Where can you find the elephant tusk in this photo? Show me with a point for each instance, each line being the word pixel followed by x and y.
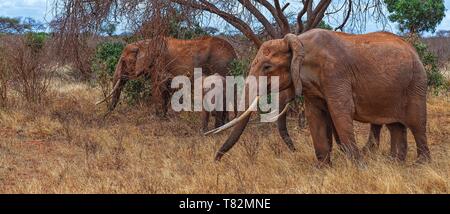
pixel 110 94
pixel 235 120
pixel 273 119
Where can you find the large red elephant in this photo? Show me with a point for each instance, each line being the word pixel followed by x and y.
pixel 375 78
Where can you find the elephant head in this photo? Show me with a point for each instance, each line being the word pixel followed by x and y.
pixel 135 61
pixel 282 58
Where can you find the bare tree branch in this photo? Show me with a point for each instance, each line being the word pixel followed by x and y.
pixel 347 16
pixel 318 14
pixel 281 20
pixel 261 18
pixel 233 20
pixel 300 26
pixel 285 24
pixel 285 7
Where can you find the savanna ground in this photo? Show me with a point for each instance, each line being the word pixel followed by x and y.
pixel 65 146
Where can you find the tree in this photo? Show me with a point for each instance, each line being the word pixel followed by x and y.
pixel 415 16
pixel 19 25
pixel 108 28
pixel 241 14
pixel 247 16
pixel 8 25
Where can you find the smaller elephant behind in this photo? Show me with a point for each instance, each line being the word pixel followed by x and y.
pixel 162 58
pixel 214 88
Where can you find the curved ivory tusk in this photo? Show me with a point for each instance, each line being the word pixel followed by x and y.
pixel 110 94
pixel 273 119
pixel 235 120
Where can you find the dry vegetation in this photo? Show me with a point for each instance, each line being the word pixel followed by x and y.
pixel 64 146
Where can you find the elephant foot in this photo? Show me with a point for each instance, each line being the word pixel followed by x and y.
pixel 290 145
pixel 423 159
pixel 292 149
pixel 219 156
pixel 105 115
pixel 358 161
pixel 397 160
pixel 204 130
pixel 361 165
pixel 367 149
pixel 323 165
pixel 162 115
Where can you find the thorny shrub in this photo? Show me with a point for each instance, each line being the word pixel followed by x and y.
pixel 25 66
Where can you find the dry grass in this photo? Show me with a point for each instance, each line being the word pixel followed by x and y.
pixel 66 147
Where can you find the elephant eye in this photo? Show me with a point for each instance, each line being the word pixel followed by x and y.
pixel 266 67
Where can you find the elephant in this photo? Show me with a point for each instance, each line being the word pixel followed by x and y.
pixel 173 57
pixel 220 116
pixel 374 78
pixel 179 57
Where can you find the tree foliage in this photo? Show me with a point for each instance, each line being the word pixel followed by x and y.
pixel 182 29
pixel 247 16
pixel 19 25
pixel 108 28
pixel 415 16
pixel 430 61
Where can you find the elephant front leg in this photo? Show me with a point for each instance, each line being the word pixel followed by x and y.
pixel 341 114
pixel 205 120
pixel 219 119
pixel 166 94
pixel 321 132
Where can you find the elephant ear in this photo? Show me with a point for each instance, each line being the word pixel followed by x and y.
pixel 142 61
pixel 298 55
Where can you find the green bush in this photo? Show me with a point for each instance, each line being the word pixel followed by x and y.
pixel 436 79
pixel 324 25
pixel 240 67
pixel 106 57
pixel 415 16
pixel 35 41
pixel 178 30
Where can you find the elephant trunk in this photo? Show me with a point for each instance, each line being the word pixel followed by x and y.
pixel 285 97
pixel 118 82
pixel 116 93
pixel 283 131
pixel 239 123
pixel 233 138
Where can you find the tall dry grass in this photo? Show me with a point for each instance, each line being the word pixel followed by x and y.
pixel 65 146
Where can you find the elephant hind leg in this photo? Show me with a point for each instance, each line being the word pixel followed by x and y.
pixel 420 136
pixel 416 121
pixel 399 143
